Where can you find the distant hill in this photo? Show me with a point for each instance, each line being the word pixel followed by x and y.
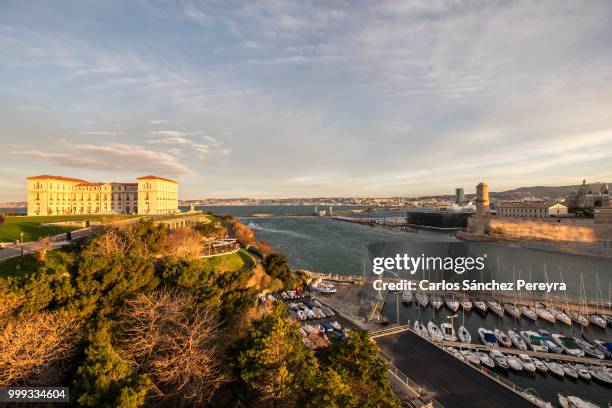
pixel 549 191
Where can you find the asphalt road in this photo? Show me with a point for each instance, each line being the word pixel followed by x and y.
pixel 448 380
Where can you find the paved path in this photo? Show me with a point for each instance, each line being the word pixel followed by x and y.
pixel 447 379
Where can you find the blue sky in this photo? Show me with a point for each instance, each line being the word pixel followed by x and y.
pixel 287 99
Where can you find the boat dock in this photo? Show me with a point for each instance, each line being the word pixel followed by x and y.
pixel 537 354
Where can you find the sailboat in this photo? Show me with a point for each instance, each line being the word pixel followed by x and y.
pixel 464 335
pixel 448 333
pixel 596 318
pixel 420 329
pixel 487 337
pixel 407 297
pixel 578 317
pixel 495 307
pixel 434 332
pixel 517 340
pixel 436 302
pixel 451 302
pixel 481 306
pixel 543 313
pixel 502 338
pixel 512 310
pixel 422 298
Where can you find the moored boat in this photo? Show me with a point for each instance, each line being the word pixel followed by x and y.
pixel 485 359
pixel 434 332
pixel 436 302
pixel 569 371
pixel 470 357
pixel 578 318
pixel 480 306
pixel 448 333
pixel 597 320
pixel 464 335
pixel 543 313
pixel 568 344
pixel 549 342
pixel 466 304
pixel 528 312
pixel 512 310
pixel 560 315
pixel 487 337
pixel 582 372
pixel 534 341
pixel 495 307
pixel 407 297
pixel 499 359
pixel 589 349
pixel 527 363
pixel 539 365
pixel 554 368
pixel 517 340
pixel 514 362
pixel 451 302
pixel 422 298
pixel 420 329
pixel 575 402
pixel 502 338
pixel 599 374
pixel 604 346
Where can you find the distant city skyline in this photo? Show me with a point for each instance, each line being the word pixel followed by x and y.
pixel 278 99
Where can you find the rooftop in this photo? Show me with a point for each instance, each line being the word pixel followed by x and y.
pixel 50 177
pixel 151 177
pixel 526 205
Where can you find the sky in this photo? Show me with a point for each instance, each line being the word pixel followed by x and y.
pixel 307 98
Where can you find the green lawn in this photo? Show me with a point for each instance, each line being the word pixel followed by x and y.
pixel 33 230
pixel 231 262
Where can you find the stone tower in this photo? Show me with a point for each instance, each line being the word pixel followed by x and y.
pixel 482 200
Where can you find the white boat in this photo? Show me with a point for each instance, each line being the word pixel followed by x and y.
pixel 512 310
pixel 575 402
pixel 578 318
pixel 528 312
pixel 604 346
pixel 543 313
pixel 301 314
pixel 466 304
pixel 487 337
pixel 310 329
pixel 303 332
pixel 517 340
pixel 407 297
pixel 527 363
pixel 420 329
pixel 434 332
pixel 436 302
pixel 502 338
pixel 320 328
pixel 498 358
pixel 464 335
pixel 554 368
pixel 534 341
pixel 455 353
pixel 560 315
pixel 549 342
pixel 568 344
pixel 470 357
pixel 514 362
pixel 569 371
pixel 582 372
pixel 422 298
pixel 324 288
pixel 448 333
pixel 336 326
pixel 481 306
pixel 539 365
pixel 452 303
pixel 599 374
pixel 597 320
pixel 485 359
pixel 589 349
pixel 495 307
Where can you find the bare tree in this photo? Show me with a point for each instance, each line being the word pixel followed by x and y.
pixel 112 241
pixel 34 346
pixel 184 243
pixel 174 340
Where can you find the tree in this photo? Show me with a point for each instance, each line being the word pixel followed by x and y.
pixel 276 266
pixel 273 364
pixel 184 243
pixel 176 342
pixel 105 379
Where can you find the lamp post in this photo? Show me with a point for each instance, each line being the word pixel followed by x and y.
pixel 452 319
pixel 21 242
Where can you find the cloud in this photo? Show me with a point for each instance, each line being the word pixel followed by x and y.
pixel 160 121
pixel 115 157
pixel 98 133
pixel 181 140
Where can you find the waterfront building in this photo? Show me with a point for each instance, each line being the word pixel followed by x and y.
pixel 587 197
pixel 531 210
pixel 58 195
pixel 459 195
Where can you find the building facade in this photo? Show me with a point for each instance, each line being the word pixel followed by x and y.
pixel 459 195
pixel 57 195
pixel 531 210
pixel 585 197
